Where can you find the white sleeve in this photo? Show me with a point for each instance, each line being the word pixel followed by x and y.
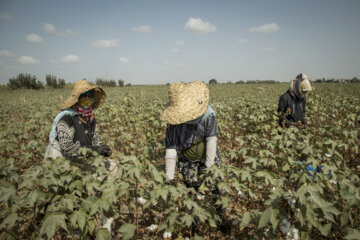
pixel 170 163
pixel 210 151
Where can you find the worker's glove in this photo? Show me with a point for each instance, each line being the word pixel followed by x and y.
pixel 107 150
pixel 103 150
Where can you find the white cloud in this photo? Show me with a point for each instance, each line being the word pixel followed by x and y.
pixel 143 28
pixel 6 53
pixel 124 60
pixel 196 25
pixel 28 60
pixel 105 43
pixel 70 58
pixel 49 28
pixel 175 50
pixel 266 28
pixel 270 49
pixel 241 41
pixel 180 43
pixel 4 16
pixel 34 38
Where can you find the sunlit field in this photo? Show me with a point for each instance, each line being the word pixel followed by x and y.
pixel 264 192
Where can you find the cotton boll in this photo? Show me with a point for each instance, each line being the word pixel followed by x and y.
pixel 242 194
pixel 154 203
pixel 328 155
pixel 167 235
pixel 107 223
pixel 285 226
pixel 152 228
pixel 140 200
pixel 333 182
pixel 295 234
pixel 200 197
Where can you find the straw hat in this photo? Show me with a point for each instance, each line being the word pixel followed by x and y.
pixel 301 85
pixel 186 102
pixel 80 87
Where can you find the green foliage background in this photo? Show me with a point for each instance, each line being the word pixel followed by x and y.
pixel 53 199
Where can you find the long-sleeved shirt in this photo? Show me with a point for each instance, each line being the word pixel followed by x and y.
pixel 297 108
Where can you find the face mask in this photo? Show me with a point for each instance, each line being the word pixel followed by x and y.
pixel 86 103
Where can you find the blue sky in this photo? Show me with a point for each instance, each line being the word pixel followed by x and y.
pixel 161 41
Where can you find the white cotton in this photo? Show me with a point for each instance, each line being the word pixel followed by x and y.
pixel 210 151
pixel 242 194
pixel 285 226
pixel 152 228
pixel 167 235
pixel 140 200
pixel 170 163
pixel 200 197
pixel 107 223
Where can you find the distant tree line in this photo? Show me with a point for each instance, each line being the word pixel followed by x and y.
pixel 337 80
pixel 28 81
pixel 110 83
pixel 25 81
pixel 213 81
pixel 52 82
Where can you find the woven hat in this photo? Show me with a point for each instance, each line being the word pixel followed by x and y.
pixel 80 87
pixel 300 85
pixel 186 102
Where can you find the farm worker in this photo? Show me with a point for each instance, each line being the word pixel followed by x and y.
pixel 191 134
pixel 75 127
pixel 292 104
pixel 75 124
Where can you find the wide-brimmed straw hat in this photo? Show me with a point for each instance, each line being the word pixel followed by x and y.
pixel 80 87
pixel 301 84
pixel 186 102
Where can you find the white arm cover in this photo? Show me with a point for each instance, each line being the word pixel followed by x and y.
pixel 170 163
pixel 210 151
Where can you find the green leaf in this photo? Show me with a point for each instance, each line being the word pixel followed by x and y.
pixel 10 220
pixel 344 219
pixel 265 217
pixel 7 236
pixel 245 220
pixel 274 218
pixel 198 237
pixel 127 230
pixel 103 234
pixel 52 222
pixel 311 216
pixel 78 217
pixel 187 220
pixel 352 234
pixel 325 229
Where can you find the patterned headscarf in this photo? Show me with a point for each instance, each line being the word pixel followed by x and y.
pixel 85 108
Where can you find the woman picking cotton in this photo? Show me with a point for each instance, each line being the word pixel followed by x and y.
pixel 75 124
pixel 75 127
pixel 191 134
